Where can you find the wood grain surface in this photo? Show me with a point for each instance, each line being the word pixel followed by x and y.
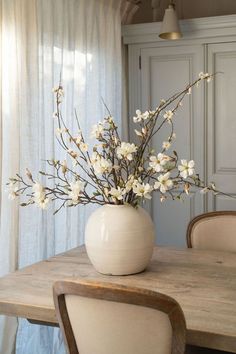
pixel 203 282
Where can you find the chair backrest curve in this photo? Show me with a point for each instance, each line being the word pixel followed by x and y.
pixel 104 318
pixel 213 231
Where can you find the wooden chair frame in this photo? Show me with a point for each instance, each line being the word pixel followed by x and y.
pixel 122 294
pixel 204 216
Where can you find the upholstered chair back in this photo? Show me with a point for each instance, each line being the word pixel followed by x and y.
pixel 213 231
pixel 108 319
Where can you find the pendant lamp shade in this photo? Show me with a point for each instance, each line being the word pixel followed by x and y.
pixel 170 26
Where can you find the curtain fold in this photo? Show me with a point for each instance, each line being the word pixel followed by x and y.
pixel 127 11
pixel 9 128
pixel 41 41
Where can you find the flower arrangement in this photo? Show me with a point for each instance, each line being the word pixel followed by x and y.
pixel 113 171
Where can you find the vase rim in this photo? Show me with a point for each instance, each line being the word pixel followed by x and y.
pixel 118 205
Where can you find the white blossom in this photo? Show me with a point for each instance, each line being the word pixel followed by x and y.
pixel 171 137
pixel 162 102
pixel 12 189
pixel 60 131
pixel 208 188
pixel 158 162
pixel 141 116
pixel 187 188
pixel 137 132
pixel 38 190
pixel 59 93
pixel 146 115
pixel 164 183
pixel 76 188
pixel 64 167
pixel 95 156
pixel 212 185
pixel 204 190
pixel 72 153
pixel 166 145
pixel 114 138
pixel 78 139
pixel 206 76
pixel 186 168
pixel 43 203
pixel 126 150
pixel 143 190
pixel 101 165
pixel 209 79
pixel 106 192
pixel 129 184
pixel 110 119
pixel 162 198
pixel 168 115
pixel 54 89
pixel 138 116
pixel 40 198
pixel 144 131
pixel 117 193
pixel 203 75
pixel 83 147
pixel 97 130
pixel 59 90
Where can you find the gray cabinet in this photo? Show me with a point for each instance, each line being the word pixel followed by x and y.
pixel 205 125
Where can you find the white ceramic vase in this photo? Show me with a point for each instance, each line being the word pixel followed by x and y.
pixel 119 239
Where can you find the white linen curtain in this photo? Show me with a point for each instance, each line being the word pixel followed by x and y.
pixel 127 10
pixel 41 39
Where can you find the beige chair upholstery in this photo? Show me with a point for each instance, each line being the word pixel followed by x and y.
pixel 213 231
pixel 107 319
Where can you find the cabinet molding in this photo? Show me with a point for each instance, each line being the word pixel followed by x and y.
pixel 208 28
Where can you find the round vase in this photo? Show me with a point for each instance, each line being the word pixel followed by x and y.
pixel 119 239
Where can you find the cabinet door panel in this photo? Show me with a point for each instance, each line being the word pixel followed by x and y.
pixel 222 123
pixel 166 71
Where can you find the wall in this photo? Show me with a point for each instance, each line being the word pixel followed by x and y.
pixel 187 9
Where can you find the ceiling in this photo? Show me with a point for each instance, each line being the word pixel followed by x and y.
pixel 186 9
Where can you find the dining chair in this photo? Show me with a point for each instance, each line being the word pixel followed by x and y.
pixel 104 318
pixel 213 231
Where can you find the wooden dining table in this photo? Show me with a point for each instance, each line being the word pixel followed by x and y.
pixel 203 282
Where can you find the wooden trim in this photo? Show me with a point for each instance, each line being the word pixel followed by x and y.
pixel 123 294
pixel 42 323
pixel 203 216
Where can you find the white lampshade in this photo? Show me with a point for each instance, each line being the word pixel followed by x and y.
pixel 170 26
